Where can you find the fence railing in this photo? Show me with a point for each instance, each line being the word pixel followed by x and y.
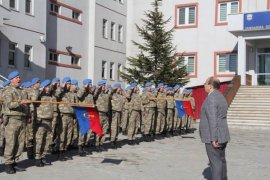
pixel 232 89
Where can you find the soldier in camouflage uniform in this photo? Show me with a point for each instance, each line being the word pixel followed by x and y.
pixel 177 120
pixel 2 118
pixel 161 109
pixel 117 103
pixel 149 103
pixel 170 111
pixel 15 124
pixel 43 124
pixel 135 115
pixel 67 118
pixel 30 128
pixel 125 116
pixel 102 104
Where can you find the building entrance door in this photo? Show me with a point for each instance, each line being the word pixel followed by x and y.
pixel 263 66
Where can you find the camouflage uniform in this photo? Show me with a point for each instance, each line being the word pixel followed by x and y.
pixel 126 114
pixel 134 115
pixel 170 113
pixel 102 104
pixel 67 115
pixel 161 110
pixel 2 127
pixel 45 113
pixel 117 103
pixel 15 126
pixel 149 106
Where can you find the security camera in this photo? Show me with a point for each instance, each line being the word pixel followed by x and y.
pixel 42 39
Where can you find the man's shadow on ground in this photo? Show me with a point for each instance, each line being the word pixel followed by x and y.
pixel 207 173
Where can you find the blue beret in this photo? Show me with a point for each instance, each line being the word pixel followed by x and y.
pixel 108 86
pixel 128 88
pixel 22 84
pixel 74 82
pixel 176 87
pixel 56 79
pixel 87 81
pixel 66 79
pixel 6 83
pixel 13 74
pixel 45 83
pixel 134 85
pixel 101 82
pixel 35 80
pixel 169 88
pixel 27 84
pixel 160 85
pixel 117 85
pixel 148 84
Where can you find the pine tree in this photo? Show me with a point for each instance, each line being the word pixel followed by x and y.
pixel 156 61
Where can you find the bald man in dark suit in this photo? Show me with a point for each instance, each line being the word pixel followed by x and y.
pixel 213 128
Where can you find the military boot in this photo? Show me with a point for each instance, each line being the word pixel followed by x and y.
pixel 30 152
pixel 114 145
pixel 18 168
pixel 62 156
pixel 39 163
pixel 80 151
pixel 45 162
pixel 9 169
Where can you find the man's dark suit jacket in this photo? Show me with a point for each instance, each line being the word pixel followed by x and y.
pixel 213 122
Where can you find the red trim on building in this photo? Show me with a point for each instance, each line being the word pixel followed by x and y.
pixel 268 4
pixel 66 6
pixel 215 63
pixel 65 18
pixel 216 11
pixel 195 54
pixel 64 65
pixel 176 26
pixel 65 53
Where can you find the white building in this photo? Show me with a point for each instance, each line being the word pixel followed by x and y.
pixel 211 36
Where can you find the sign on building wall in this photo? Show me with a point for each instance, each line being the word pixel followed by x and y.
pixel 257 21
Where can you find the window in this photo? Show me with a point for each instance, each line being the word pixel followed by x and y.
pixel 54 57
pixel 12 53
pixel 55 8
pixel 113 31
pixel 226 63
pixel 27 56
pixel 76 15
pixel 112 71
pixel 28 6
pixel 120 33
pixel 75 61
pixel 13 4
pixel 189 62
pixel 119 70
pixel 225 8
pixel 105 28
pixel 186 16
pixel 104 70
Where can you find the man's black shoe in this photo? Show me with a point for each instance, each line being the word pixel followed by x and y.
pixel 114 145
pixel 61 156
pixel 39 163
pixel 81 152
pixel 46 163
pixel 131 142
pixel 9 169
pixel 18 168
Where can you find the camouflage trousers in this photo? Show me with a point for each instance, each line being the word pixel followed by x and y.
pixel 77 138
pixel 160 123
pixel 30 128
pixel 133 125
pixel 125 120
pixel 42 137
pixel 54 133
pixel 2 135
pixel 104 120
pixel 169 119
pixel 15 138
pixel 176 122
pixel 148 120
pixel 115 125
pixel 66 131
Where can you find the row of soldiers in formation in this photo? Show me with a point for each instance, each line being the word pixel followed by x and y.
pixel 41 126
